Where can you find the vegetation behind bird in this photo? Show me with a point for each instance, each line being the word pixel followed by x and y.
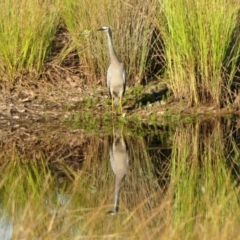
pixel 198 36
pixel 132 35
pixel 200 43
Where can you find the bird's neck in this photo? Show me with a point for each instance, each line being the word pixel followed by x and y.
pixel 112 52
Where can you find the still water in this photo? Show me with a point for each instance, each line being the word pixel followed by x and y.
pixel 121 182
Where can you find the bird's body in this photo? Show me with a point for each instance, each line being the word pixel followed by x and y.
pixel 115 81
pixel 116 73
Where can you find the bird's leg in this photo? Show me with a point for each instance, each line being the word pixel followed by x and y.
pixel 112 103
pixel 113 133
pixel 121 134
pixel 120 104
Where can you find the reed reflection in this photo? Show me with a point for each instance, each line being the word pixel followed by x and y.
pixel 119 159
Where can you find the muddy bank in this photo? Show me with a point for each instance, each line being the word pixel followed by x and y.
pixel 47 101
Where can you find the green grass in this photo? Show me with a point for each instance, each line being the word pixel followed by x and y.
pixel 195 44
pixel 26 31
pixel 198 37
pixel 132 33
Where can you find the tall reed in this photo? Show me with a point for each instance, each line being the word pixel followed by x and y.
pixel 132 34
pixel 198 38
pixel 26 31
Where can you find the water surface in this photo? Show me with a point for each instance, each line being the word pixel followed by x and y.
pixel 59 181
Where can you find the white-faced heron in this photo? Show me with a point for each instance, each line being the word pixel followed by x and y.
pixel 116 73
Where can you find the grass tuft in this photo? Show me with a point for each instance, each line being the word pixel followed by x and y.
pixel 26 31
pixel 197 38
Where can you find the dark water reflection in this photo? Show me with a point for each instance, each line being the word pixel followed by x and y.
pixel 187 164
pixel 119 159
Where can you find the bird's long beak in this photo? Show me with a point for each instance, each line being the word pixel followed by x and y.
pixel 100 29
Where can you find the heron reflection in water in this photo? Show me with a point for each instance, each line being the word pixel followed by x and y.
pixel 119 159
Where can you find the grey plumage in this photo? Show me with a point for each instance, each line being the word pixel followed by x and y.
pixel 119 159
pixel 116 73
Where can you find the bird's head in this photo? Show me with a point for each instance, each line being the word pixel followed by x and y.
pixel 106 29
